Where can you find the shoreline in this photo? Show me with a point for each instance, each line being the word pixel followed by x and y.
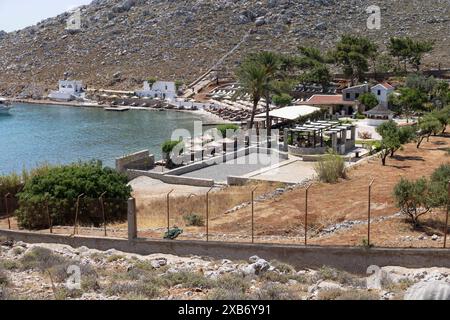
pixel 211 118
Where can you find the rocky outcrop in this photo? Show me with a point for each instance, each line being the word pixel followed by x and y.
pixel 435 290
pixel 112 275
pixel 182 39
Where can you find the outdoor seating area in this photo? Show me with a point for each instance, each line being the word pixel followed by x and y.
pixel 315 138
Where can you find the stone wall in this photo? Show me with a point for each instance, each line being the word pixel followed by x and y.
pixel 170 179
pixel 296 151
pixel 356 259
pixel 141 160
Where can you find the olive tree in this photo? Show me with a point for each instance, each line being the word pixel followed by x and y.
pixel 413 198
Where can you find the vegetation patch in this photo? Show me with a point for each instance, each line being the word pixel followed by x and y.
pixel 330 168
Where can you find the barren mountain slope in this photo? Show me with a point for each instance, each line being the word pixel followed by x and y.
pixel 125 41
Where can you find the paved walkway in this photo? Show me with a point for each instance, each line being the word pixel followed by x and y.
pixel 239 167
pixel 295 171
pixel 144 187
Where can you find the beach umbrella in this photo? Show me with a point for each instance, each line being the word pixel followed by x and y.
pixel 214 144
pixel 207 137
pixel 226 141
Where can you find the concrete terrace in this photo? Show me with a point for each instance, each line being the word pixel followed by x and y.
pixel 238 167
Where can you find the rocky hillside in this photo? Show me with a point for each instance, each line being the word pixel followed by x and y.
pixel 39 271
pixel 123 41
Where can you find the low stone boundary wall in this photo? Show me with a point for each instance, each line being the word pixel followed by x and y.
pixel 170 179
pixel 351 259
pixel 141 160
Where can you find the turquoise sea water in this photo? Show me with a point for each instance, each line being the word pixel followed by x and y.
pixel 34 134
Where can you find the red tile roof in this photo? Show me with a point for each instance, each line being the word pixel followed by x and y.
pixel 387 86
pixel 328 100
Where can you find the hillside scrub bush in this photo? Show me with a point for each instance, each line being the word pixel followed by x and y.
pixel 194 220
pixel 140 288
pixel 414 198
pixel 41 259
pixel 330 168
pixel 14 182
pixel 275 292
pixel 57 190
pixel 10 184
pixel 3 278
pixel 186 279
pixel 439 181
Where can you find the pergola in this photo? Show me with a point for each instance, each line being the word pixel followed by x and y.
pixel 311 134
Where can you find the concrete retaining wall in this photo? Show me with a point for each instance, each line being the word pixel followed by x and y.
pixel 171 179
pixel 345 258
pixel 296 151
pixel 141 160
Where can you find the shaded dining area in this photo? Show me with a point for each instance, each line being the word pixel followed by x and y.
pixel 315 138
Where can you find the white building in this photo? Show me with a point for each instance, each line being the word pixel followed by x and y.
pixel 382 92
pixel 68 90
pixel 164 90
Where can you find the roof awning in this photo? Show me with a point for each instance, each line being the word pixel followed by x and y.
pixel 291 113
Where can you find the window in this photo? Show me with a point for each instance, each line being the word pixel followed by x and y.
pixel 379 92
pixel 356 95
pixel 347 95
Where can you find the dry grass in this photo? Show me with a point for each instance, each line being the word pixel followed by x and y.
pixel 334 203
pixel 152 212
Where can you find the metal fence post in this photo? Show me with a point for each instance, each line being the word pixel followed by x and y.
pixel 253 215
pixel 7 210
pixel 207 214
pixel 132 219
pixel 75 229
pixel 446 218
pixel 306 214
pixel 369 213
pixel 102 206
pixel 168 211
pixel 50 223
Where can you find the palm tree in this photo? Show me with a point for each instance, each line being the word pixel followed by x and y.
pixel 252 77
pixel 270 63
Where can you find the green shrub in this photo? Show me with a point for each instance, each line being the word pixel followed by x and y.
pixel 41 259
pixel 330 168
pixel 230 287
pixel 194 220
pixel 354 294
pixel 10 184
pixel 168 148
pixel 3 279
pixel 89 283
pixel 414 198
pixel 224 128
pixel 220 294
pixel 439 185
pixel 232 282
pixel 342 277
pixel 275 292
pixel 60 186
pixel 142 288
pixel 282 100
pixel 9 265
pixel 186 279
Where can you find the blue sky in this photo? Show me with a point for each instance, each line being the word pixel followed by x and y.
pixel 18 14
